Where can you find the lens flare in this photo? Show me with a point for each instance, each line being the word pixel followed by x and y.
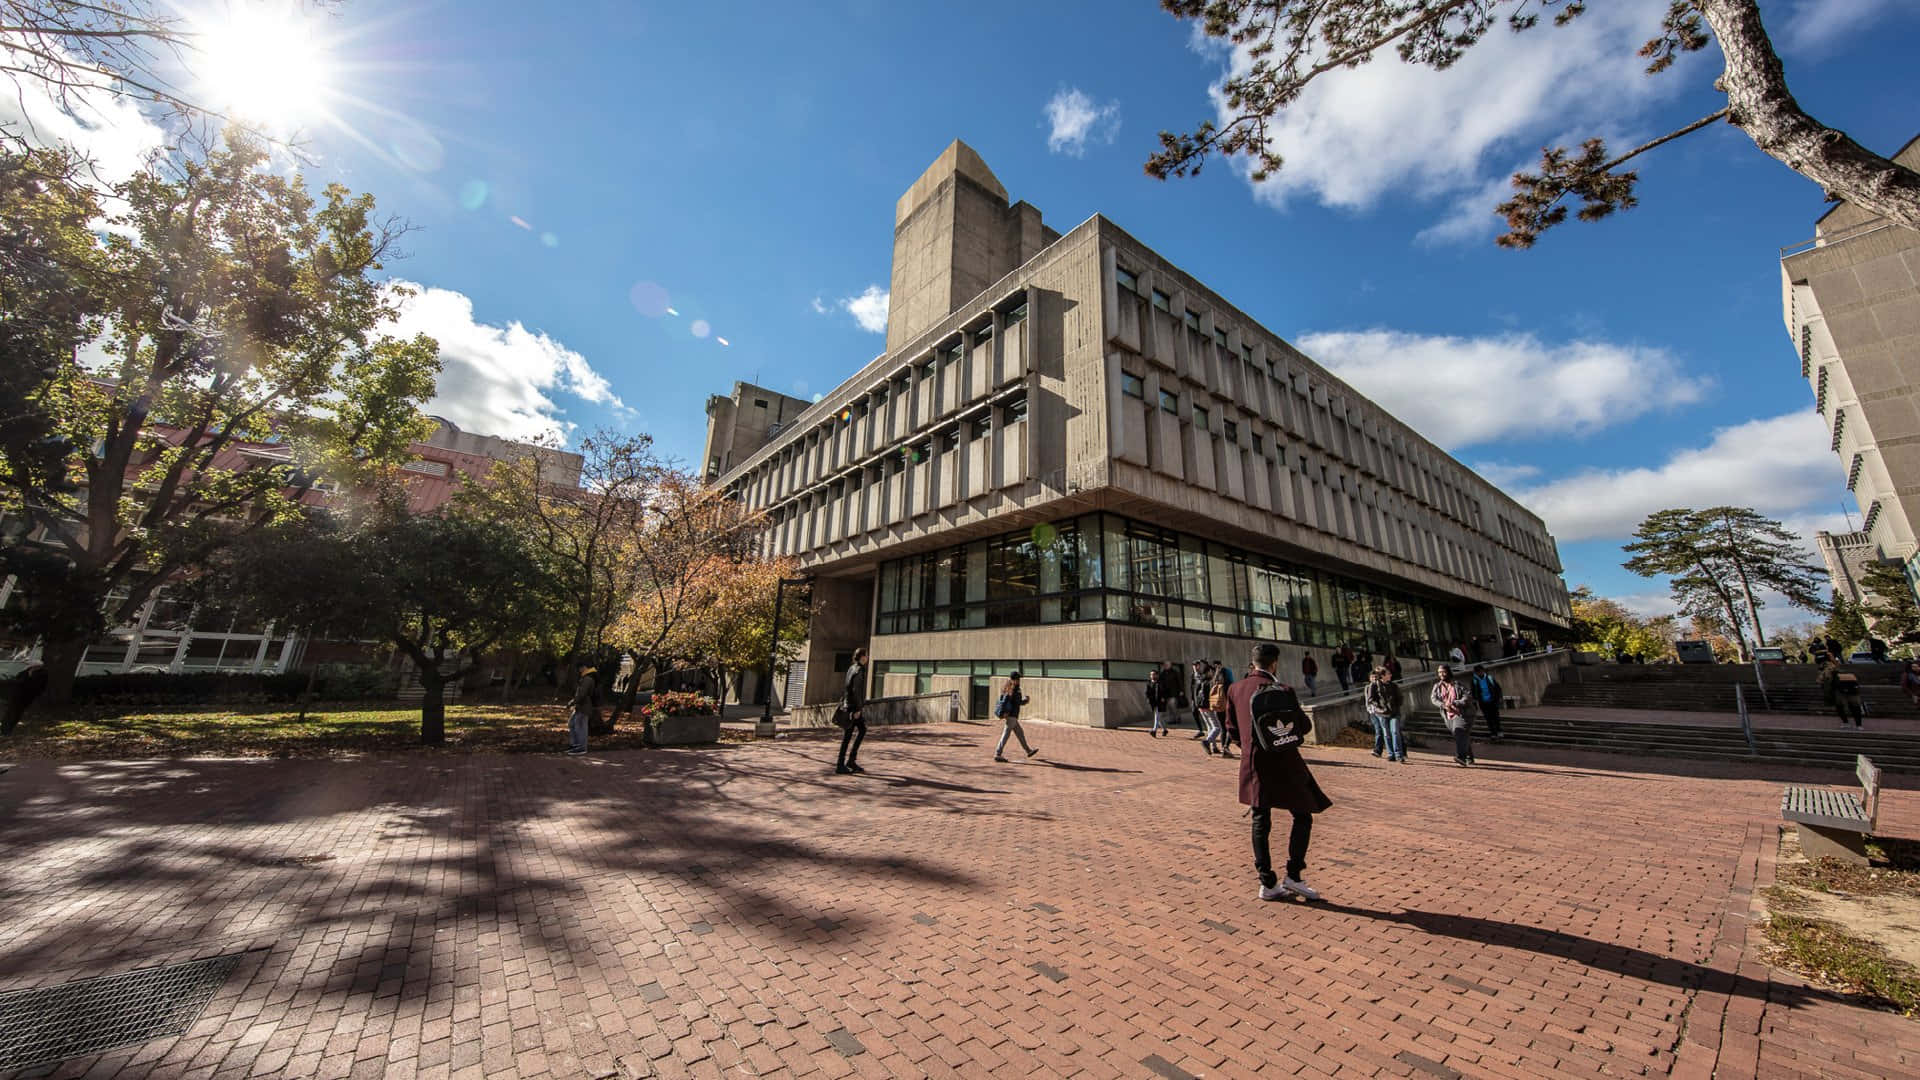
pixel 520 221
pixel 473 194
pixel 549 239
pixel 417 148
pixel 700 328
pixel 649 299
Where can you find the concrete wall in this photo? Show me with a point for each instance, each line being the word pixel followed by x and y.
pixel 911 709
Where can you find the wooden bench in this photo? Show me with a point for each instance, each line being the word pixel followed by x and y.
pixel 1836 823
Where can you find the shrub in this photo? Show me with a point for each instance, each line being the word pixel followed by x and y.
pixel 337 682
pixel 679 703
pixel 352 682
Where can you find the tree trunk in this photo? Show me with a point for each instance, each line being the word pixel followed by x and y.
pixel 62 656
pixel 306 694
pixel 1756 86
pixel 506 684
pixel 433 707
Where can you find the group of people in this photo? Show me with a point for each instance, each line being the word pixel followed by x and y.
pixel 1200 688
pixel 1351 667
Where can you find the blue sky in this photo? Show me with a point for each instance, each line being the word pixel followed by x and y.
pixel 574 168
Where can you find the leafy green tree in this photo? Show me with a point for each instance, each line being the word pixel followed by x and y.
pixel 439 587
pixel 1609 627
pixel 1846 624
pixel 1717 560
pixel 1889 601
pixel 235 310
pixel 589 533
pixel 1290 43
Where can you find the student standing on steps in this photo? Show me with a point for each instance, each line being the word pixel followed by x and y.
pixel 1008 710
pixel 1273 775
pixel 852 716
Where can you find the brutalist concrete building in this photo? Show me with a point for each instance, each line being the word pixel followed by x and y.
pixel 1077 460
pixel 1851 298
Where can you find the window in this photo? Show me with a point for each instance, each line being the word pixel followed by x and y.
pixel 759 403
pixel 983 333
pixel 1193 320
pixel 954 355
pixel 1017 315
pixel 1246 353
pixel 1016 410
pixel 1170 402
pixel 949 440
pixel 1200 418
pixel 1131 386
pixel 1162 302
pixel 1231 430
pixel 1219 337
pixel 1257 448
pixel 1126 279
pixel 926 372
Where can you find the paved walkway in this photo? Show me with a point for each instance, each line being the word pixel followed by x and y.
pixel 739 911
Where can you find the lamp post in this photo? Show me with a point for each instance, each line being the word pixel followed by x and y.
pixel 764 729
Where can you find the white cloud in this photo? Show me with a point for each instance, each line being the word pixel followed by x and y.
pixel 1777 465
pixel 1504 474
pixel 820 307
pixel 1390 128
pixel 869 309
pixel 105 127
pixel 1815 26
pixel 497 380
pixel 1073 119
pixel 1461 391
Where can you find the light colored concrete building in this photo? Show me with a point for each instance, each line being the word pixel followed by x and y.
pixel 1851 299
pixel 1076 459
pixel 1847 556
pixel 741 422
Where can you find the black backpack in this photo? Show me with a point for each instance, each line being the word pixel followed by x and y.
pixel 1278 721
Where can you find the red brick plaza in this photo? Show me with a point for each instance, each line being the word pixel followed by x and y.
pixel 740 911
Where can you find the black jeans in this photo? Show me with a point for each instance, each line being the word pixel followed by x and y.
pixel 1463 743
pixel 1296 844
pixel 854 734
pixel 1490 712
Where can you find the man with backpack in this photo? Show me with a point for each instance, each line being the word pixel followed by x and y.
pixel 1267 715
pixel 1008 710
pixel 1486 693
pixel 851 716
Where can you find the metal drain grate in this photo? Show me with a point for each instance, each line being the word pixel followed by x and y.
pixel 53 1023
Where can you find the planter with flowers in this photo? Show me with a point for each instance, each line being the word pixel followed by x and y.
pixel 681 718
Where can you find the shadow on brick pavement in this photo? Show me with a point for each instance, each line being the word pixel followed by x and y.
pixel 1086 913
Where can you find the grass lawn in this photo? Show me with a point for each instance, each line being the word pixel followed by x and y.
pixel 276 731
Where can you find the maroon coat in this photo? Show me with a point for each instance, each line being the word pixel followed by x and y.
pixel 1279 779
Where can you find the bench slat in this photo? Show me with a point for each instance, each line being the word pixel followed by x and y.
pixel 1826 808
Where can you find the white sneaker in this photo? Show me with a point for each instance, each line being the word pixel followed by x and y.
pixel 1298 888
pixel 1273 892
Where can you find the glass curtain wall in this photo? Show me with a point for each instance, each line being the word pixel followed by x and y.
pixel 1102 566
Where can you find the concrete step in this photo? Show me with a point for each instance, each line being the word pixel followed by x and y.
pixel 1837 749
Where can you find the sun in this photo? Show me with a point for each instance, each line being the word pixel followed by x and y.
pixel 262 62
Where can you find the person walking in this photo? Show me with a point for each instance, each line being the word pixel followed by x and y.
pixel 1486 694
pixel 1216 740
pixel 1197 685
pixel 852 716
pixel 586 710
pixel 1456 654
pixel 1846 696
pixel 1910 682
pixel 1273 776
pixel 1393 667
pixel 1308 670
pixel 1008 710
pixel 1451 699
pixel 1343 667
pixel 1383 708
pixel 1167 699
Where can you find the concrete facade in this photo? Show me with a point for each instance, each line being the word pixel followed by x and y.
pixel 1847 556
pixel 741 422
pixel 1851 300
pixel 1091 462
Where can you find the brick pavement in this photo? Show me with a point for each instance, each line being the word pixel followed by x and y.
pixel 740 911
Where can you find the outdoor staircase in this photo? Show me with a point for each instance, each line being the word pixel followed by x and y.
pixel 1836 748
pixel 1791 689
